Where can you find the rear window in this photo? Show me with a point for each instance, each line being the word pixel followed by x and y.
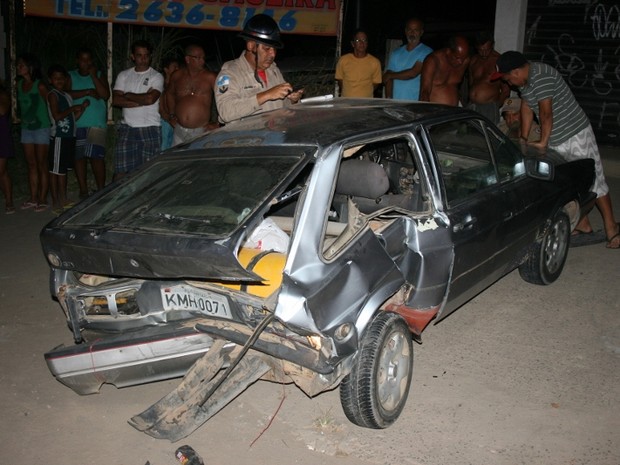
pixel 198 196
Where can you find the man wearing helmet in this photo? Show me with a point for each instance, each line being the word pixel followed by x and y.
pixel 253 83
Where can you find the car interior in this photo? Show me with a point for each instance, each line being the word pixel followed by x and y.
pixel 377 182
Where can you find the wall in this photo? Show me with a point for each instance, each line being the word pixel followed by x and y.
pixel 581 39
pixel 510 24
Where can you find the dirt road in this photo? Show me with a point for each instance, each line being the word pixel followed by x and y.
pixel 520 375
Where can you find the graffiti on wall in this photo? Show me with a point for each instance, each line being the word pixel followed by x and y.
pixel 581 39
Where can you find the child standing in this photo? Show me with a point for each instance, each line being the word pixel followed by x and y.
pixel 63 114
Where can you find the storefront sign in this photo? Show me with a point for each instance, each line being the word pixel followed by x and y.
pixel 315 17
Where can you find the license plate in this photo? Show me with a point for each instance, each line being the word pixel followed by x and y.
pixel 184 297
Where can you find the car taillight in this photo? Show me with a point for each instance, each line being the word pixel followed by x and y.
pixel 122 303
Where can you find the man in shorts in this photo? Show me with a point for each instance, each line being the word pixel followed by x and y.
pixel 137 91
pixel 189 96
pixel 564 127
pixel 87 83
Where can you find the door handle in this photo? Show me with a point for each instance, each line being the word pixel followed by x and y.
pixel 467 223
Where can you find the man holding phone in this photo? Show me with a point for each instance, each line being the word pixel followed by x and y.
pixel 253 83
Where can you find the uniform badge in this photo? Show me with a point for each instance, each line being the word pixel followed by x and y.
pixel 222 83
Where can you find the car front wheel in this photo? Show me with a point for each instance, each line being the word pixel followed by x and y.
pixel 544 264
pixel 374 393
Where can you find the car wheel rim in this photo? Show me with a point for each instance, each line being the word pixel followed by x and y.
pixel 555 246
pixel 393 371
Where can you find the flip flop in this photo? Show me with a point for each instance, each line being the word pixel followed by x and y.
pixel 28 204
pixel 9 210
pixel 610 239
pixel 41 207
pixel 579 238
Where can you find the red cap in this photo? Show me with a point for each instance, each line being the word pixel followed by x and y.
pixel 507 62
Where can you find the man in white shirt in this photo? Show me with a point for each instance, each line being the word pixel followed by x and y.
pixel 137 91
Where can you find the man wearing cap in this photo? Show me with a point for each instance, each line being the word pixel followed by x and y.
pixel 510 124
pixel 563 123
pixel 253 83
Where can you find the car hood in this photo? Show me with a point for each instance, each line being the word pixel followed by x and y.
pixel 181 217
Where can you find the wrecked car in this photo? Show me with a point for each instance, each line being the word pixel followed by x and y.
pixel 309 245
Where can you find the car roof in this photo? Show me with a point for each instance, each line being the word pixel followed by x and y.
pixel 322 123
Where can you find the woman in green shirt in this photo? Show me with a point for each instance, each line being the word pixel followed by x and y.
pixel 35 128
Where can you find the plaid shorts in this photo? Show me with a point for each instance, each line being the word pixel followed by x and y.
pixel 135 146
pixel 90 143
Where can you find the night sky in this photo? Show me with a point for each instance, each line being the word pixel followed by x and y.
pixel 384 20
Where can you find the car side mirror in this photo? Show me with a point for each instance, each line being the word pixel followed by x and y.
pixel 539 169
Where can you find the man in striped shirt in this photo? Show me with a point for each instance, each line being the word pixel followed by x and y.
pixel 563 123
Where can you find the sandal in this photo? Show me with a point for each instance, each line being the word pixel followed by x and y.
pixel 9 210
pixel 612 238
pixel 579 238
pixel 41 207
pixel 28 204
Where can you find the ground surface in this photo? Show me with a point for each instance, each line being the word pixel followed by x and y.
pixel 521 374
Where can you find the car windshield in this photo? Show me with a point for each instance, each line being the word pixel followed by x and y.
pixel 197 196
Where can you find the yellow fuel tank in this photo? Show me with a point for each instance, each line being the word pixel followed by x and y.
pixel 267 264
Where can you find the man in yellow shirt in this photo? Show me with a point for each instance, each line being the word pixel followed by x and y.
pixel 358 73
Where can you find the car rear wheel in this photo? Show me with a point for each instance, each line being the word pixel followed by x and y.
pixel 546 261
pixel 374 393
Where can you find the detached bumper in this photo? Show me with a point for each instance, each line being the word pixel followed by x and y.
pixel 151 354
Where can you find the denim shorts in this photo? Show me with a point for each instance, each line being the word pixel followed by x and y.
pixel 36 136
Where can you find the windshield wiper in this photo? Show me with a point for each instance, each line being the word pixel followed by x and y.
pixel 170 217
pixel 287 195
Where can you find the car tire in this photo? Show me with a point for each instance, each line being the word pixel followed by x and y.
pixel 545 262
pixel 374 393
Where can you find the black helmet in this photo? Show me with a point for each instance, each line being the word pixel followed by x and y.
pixel 262 29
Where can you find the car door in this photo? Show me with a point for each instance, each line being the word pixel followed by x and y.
pixel 520 191
pixel 479 209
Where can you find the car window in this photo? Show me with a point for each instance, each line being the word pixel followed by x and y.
pixel 375 179
pixel 508 157
pixel 464 158
pixel 199 196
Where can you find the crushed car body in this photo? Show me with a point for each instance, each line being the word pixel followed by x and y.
pixel 308 245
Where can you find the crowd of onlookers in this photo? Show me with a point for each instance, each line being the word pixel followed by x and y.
pixel 537 106
pixel 64 117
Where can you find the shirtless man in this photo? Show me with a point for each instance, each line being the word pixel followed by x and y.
pixel 485 96
pixel 443 72
pixel 189 96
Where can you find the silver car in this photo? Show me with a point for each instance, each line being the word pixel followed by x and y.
pixel 309 245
